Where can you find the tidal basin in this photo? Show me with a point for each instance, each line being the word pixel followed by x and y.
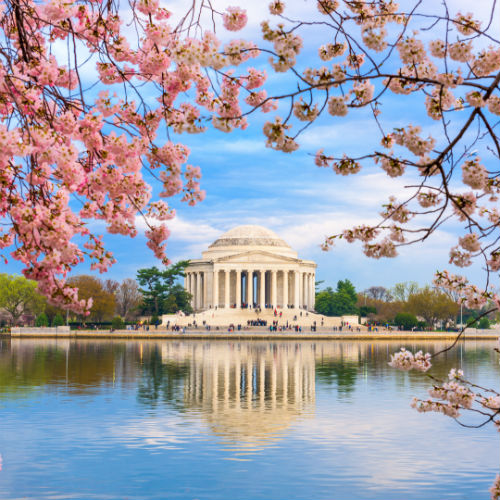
pixel 115 419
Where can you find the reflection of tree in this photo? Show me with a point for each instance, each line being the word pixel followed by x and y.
pixel 83 366
pixel 162 371
pixel 341 373
pixel 19 374
pixel 162 380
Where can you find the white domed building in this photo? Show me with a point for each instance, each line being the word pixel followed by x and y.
pixel 251 267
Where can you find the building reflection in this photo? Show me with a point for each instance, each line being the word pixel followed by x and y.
pixel 247 393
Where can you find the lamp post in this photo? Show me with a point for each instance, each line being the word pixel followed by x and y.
pixel 461 316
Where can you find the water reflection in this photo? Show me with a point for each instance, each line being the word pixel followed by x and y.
pixel 327 417
pixel 248 394
pixel 213 375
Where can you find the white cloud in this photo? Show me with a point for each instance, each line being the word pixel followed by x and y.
pixel 183 230
pixel 241 146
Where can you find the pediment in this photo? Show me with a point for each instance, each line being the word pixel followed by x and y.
pixel 256 257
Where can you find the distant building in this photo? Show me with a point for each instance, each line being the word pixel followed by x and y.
pixel 251 266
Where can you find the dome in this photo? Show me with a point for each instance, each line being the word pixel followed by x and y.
pixel 249 236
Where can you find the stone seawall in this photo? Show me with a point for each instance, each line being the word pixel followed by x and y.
pixel 256 333
pixel 42 331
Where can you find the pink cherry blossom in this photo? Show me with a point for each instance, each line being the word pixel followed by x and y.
pixel 234 18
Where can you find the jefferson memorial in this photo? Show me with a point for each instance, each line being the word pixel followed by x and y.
pixel 250 267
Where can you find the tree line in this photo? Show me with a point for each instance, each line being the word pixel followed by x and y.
pixel 154 292
pixel 405 305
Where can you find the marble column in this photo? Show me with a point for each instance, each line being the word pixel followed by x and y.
pixel 312 292
pixel 285 289
pixel 198 300
pixel 296 295
pixel 226 288
pixel 307 290
pixel 187 286
pixel 192 289
pixel 262 289
pixel 274 289
pixel 215 292
pixel 310 304
pixel 204 287
pixel 250 288
pixel 238 289
pixel 303 288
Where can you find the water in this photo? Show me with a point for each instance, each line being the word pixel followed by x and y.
pixel 237 420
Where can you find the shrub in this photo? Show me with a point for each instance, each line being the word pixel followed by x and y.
pixel 117 323
pixel 484 324
pixel 58 320
pixel 42 320
pixel 406 320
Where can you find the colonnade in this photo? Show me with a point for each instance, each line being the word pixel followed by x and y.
pixel 243 288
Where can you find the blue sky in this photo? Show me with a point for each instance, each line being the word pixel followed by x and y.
pixel 247 183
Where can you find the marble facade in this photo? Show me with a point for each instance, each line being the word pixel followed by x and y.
pixel 250 267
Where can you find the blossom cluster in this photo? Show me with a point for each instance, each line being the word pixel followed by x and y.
pixel 470 295
pixel 59 141
pixel 277 137
pixel 449 398
pixel 442 75
pixel 405 360
pixel 474 174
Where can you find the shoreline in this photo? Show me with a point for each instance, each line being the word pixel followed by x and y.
pixel 201 334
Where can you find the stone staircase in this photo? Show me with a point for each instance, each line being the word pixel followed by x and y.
pixel 224 317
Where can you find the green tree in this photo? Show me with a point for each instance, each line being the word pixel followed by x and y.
pixel 58 320
pixel 366 310
pixel 178 300
pixel 406 320
pixel 153 289
pixel 484 324
pixel 117 323
pixel 342 301
pixel 432 305
pixel 403 291
pixel 103 302
pixel 324 302
pixel 347 287
pixel 19 296
pixel 160 290
pixel 42 320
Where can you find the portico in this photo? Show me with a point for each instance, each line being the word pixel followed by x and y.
pixel 251 267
